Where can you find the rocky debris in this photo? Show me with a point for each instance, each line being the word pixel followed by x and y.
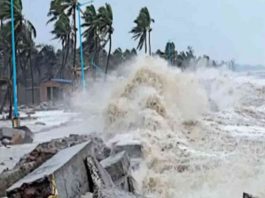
pixel 100 149
pixel 111 193
pixel 71 166
pixel 38 156
pixel 40 123
pixel 128 143
pixel 115 193
pixel 246 195
pixel 20 135
pixel 63 175
pixel 46 106
pixel 99 178
pixel 29 112
pixel 103 186
pixel 118 167
pixel 133 150
pixel 132 146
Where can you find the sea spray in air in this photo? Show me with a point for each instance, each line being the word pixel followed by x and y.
pixel 202 130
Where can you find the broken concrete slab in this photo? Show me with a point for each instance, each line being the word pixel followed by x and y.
pixel 117 165
pixel 103 186
pixel 102 151
pixel 133 150
pixel 37 157
pixel 129 143
pixel 65 174
pixel 98 175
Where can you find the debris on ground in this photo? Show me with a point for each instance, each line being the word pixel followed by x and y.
pixel 118 167
pixel 71 167
pixel 127 142
pixel 40 123
pixel 36 157
pixel 246 195
pixel 13 136
pixel 64 174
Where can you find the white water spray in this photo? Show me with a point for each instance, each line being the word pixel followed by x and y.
pixel 200 140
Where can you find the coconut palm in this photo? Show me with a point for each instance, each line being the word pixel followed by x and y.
pixel 91 33
pixel 105 28
pixel 24 31
pixel 98 30
pixel 67 7
pixel 143 29
pixel 62 31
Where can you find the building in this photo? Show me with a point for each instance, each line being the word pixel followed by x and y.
pixel 54 89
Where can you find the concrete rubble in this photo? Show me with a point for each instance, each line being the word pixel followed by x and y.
pixel 75 166
pixel 63 175
pixel 131 145
pixel 36 157
pixel 10 136
pixel 118 167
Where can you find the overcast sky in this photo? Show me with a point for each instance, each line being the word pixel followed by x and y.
pixel 223 29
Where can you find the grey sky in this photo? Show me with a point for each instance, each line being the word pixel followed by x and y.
pixel 223 29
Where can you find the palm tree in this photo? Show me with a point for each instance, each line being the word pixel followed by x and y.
pixel 24 30
pixel 143 29
pixel 67 7
pixel 105 28
pixel 62 31
pixel 170 52
pixel 91 33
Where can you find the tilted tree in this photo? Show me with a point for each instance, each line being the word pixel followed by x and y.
pixel 67 7
pixel 62 32
pixel 143 29
pixel 106 29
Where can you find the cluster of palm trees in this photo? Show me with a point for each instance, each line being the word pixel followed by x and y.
pixel 97 24
pixel 25 33
pixel 97 34
pixel 37 63
pixel 98 29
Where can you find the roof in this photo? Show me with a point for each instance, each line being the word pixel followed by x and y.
pixel 62 81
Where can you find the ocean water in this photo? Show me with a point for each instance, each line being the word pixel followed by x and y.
pixel 203 130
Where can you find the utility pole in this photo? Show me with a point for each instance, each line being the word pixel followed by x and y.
pixel 81 48
pixel 78 7
pixel 15 119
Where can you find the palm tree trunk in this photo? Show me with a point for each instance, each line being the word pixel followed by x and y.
pixel 62 64
pixel 67 50
pixel 75 37
pixel 145 44
pixel 24 74
pixel 10 93
pixel 32 78
pixel 108 58
pixel 149 41
pixel 4 100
